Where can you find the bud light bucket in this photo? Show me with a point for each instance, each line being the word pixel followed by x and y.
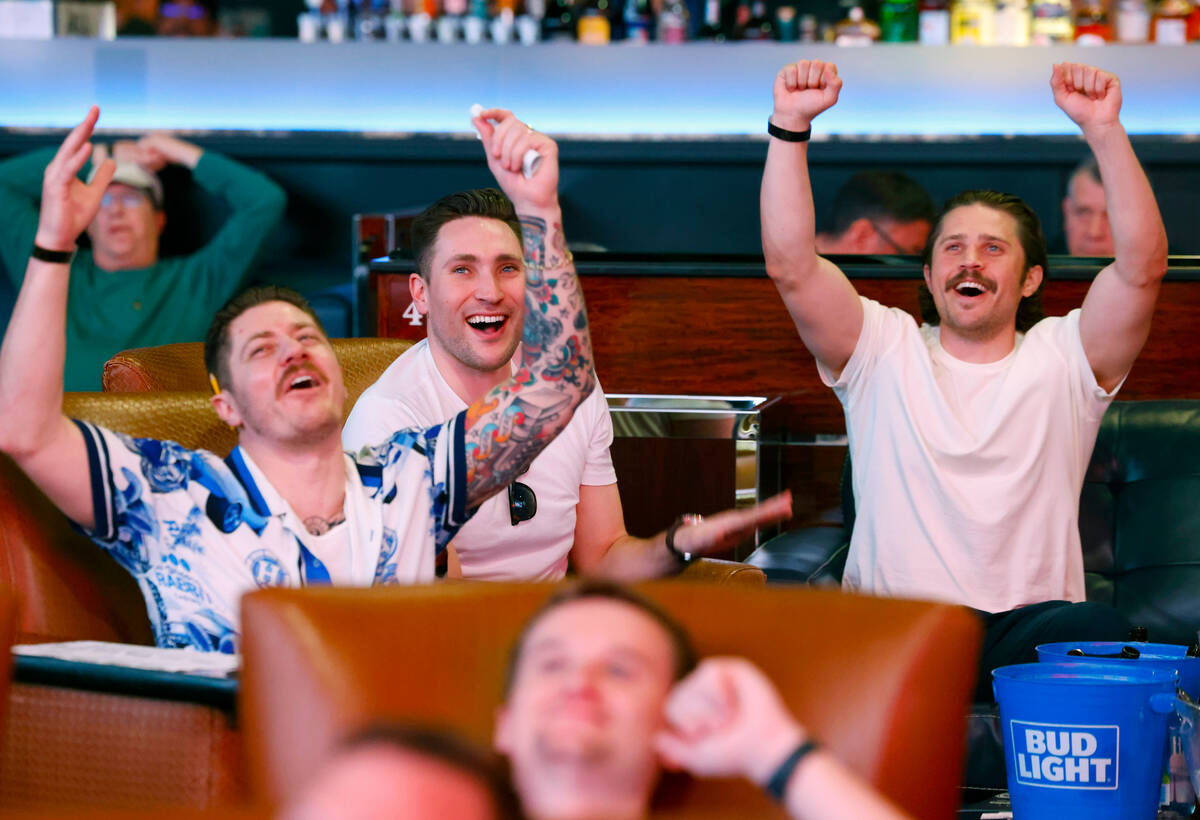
pixel 1159 655
pixel 1084 739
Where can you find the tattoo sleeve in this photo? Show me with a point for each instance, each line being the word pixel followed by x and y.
pixel 509 426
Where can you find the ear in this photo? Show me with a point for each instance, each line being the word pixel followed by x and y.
pixel 928 283
pixel 502 736
pixel 860 235
pixel 1033 281
pixel 418 288
pixel 226 408
pixel 160 221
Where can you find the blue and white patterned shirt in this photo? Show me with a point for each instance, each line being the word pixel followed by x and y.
pixel 197 532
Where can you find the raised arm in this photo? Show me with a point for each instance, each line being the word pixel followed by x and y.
pixel 516 420
pixel 726 719
pixel 33 430
pixel 1115 319
pixel 819 297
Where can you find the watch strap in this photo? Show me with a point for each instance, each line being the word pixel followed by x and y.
pixel 53 257
pixel 786 135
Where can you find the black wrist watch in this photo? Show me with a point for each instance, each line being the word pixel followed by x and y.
pixel 53 257
pixel 686 520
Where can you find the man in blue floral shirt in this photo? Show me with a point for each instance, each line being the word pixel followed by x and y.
pixel 288 506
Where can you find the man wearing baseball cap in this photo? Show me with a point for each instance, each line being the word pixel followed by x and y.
pixel 122 293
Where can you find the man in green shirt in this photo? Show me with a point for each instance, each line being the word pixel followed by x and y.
pixel 122 294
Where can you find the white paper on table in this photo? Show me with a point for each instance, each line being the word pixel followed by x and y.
pixel 189 661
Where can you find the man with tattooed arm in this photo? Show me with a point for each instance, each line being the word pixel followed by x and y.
pixel 288 506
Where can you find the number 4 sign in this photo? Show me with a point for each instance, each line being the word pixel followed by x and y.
pixel 413 315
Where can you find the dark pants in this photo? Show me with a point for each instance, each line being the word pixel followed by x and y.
pixel 1011 637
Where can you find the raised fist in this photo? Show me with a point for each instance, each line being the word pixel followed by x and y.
pixel 802 91
pixel 1089 96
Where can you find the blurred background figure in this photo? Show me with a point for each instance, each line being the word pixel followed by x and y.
pixel 878 212
pixel 396 772
pixel 1085 213
pixel 122 293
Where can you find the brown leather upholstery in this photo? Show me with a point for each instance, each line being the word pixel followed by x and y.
pixel 717 571
pixel 181 366
pixel 884 683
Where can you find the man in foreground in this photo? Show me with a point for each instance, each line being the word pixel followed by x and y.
pixel 566 508
pixel 122 293
pixel 970 435
pixel 878 212
pixel 288 506
pixel 602 686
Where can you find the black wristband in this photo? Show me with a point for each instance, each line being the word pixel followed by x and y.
pixel 777 785
pixel 54 257
pixel 786 135
pixel 684 558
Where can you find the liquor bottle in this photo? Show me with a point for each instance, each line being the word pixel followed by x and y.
pixel 1052 23
pixel 1091 24
pixel 713 27
pixel 594 27
pixel 673 22
pixel 1133 21
pixel 1169 24
pixel 973 22
pixel 898 21
pixel 933 22
pixel 1013 20
pixel 639 21
pixel 559 22
pixel 856 29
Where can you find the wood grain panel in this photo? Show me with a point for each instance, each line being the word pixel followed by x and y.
pixel 733 336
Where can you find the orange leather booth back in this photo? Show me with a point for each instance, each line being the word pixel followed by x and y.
pixel 884 683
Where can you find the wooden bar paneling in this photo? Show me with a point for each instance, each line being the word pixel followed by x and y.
pixel 733 336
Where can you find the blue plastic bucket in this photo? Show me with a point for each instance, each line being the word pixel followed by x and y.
pixel 1159 655
pixel 1084 739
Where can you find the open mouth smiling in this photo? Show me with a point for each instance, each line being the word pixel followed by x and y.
pixel 487 324
pixel 298 381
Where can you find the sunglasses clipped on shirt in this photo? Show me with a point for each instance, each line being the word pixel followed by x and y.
pixel 522 503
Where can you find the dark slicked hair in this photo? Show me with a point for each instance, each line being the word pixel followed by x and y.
pixel 446 747
pixel 880 195
pixel 486 202
pixel 681 644
pixel 216 341
pixel 1089 166
pixel 1029 234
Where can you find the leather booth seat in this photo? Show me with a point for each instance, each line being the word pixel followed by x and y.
pixel 180 367
pixel 883 683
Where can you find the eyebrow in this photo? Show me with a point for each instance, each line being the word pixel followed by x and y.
pixel 262 334
pixel 551 644
pixel 470 257
pixel 986 236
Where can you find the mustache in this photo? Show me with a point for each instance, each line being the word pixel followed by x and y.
pixel 964 275
pixel 296 369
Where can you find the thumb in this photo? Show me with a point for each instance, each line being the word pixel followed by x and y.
pixel 671 750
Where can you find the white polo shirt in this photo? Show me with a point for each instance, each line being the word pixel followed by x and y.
pixel 967 476
pixel 412 392
pixel 197 532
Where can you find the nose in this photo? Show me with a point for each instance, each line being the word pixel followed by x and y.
pixel 1097 225
pixel 487 288
pixel 291 350
pixel 971 259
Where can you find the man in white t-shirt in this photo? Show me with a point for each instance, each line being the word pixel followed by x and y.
pixel 970 435
pixel 566 508
pixel 288 506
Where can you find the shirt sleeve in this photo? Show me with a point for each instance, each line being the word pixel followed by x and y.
pixel 1094 398
pixel 131 480
pixel 882 327
pixel 598 468
pixel 218 269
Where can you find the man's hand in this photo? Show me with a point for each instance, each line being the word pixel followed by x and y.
pixel 1089 96
pixel 157 150
pixel 725 530
pixel 726 719
pixel 68 203
pixel 505 141
pixel 802 91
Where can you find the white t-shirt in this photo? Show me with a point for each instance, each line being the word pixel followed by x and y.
pixel 967 476
pixel 412 392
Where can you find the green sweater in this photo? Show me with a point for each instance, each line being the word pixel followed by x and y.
pixel 171 301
